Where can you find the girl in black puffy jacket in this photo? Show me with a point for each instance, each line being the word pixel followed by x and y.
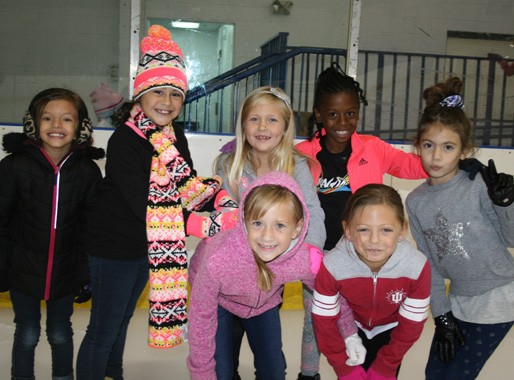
pixel 48 186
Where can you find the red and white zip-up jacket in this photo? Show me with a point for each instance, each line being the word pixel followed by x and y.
pixel 397 297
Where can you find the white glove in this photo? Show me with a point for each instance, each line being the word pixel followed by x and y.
pixel 355 350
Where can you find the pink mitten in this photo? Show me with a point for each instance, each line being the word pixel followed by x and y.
pixel 195 225
pixel 357 374
pixel 221 219
pixel 374 375
pixel 227 219
pixel 223 200
pixel 316 256
pixel 205 226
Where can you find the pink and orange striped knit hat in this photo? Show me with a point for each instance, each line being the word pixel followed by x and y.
pixel 161 65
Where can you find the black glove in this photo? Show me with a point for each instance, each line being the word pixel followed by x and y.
pixel 83 294
pixel 447 334
pixel 4 281
pixel 500 187
pixel 472 166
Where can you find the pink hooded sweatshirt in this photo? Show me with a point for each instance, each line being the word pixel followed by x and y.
pixel 223 272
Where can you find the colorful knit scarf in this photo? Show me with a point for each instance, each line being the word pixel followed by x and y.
pixel 172 187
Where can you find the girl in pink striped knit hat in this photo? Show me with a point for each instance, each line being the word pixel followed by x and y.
pixel 144 213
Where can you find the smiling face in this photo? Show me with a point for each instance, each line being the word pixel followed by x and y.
pixel 264 127
pixel 58 126
pixel 339 114
pixel 270 235
pixel 162 105
pixel 375 231
pixel 440 149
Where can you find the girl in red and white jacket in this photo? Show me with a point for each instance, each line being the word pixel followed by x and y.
pixel 385 281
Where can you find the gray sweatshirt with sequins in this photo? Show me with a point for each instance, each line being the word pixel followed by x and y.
pixel 464 236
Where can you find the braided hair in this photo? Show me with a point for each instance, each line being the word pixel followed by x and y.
pixel 332 81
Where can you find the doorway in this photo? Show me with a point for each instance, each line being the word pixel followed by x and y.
pixel 208 49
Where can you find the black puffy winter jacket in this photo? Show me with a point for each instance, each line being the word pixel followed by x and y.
pixel 43 215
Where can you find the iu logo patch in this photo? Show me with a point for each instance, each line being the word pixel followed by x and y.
pixel 396 296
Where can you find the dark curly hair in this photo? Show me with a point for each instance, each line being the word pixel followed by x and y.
pixel 332 81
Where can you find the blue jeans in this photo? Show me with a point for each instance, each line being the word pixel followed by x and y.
pixel 265 338
pixel 27 317
pixel 117 286
pixel 480 341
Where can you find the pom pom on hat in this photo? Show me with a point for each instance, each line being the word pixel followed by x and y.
pixel 105 101
pixel 158 39
pixel 161 64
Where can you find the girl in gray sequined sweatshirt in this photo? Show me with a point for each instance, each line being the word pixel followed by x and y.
pixel 464 227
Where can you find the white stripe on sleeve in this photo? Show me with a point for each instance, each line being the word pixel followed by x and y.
pixel 415 309
pixel 327 306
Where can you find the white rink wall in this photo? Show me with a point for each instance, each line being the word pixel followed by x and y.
pixel 205 147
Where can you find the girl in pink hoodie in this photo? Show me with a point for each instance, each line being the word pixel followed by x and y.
pixel 242 272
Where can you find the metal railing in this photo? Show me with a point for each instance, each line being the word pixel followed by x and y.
pixel 213 106
pixel 393 84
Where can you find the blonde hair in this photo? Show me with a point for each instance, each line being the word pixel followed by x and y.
pixel 281 158
pixel 257 203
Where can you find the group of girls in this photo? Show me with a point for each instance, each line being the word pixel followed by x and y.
pixel 462 225
pixel 317 214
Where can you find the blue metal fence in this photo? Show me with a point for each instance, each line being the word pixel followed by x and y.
pixel 393 83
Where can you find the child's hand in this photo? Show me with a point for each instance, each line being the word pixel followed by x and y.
pixel 205 226
pixel 223 200
pixel 374 375
pixel 447 334
pixel 226 219
pixel 316 257
pixel 472 166
pixel 499 186
pixel 355 350
pixel 357 374
pixel 221 219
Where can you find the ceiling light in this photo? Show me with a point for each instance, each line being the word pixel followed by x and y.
pixel 185 25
